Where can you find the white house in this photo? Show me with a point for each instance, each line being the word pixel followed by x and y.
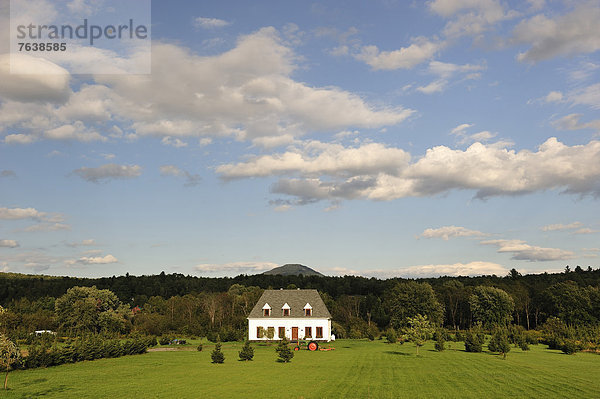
pixel 295 314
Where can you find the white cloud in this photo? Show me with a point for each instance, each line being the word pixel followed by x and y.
pixel 459 130
pixel 76 131
pixel 172 170
pixel 320 171
pixel 585 230
pixel 446 71
pixel 589 95
pixel 173 142
pixel 447 232
pixel 476 268
pixel 47 227
pixel 95 260
pixel 573 33
pixel 419 51
pixel 560 226
pixel 245 93
pixel 554 97
pixel 109 171
pixel 19 138
pixel 520 250
pixel 21 213
pixel 283 208
pixel 8 244
pixel 235 268
pixel 316 158
pixel 436 86
pixel 470 17
pixel 210 23
pixel 82 243
pixel 41 80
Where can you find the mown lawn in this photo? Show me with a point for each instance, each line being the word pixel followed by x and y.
pixel 355 369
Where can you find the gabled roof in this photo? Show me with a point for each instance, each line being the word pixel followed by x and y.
pixel 296 299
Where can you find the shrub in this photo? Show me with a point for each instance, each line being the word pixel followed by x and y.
pixel 165 340
pixel 217 355
pixel 524 346
pixel 440 340
pixel 391 336
pixel 284 351
pixel 569 347
pixel 247 352
pixel 473 342
pixel 440 345
pixel 500 342
pixel 211 336
pixel 458 336
pixel 199 348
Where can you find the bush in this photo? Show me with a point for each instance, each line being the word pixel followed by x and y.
pixel 284 351
pixel 217 355
pixel 88 348
pixel 247 352
pixel 211 336
pixel 165 340
pixel 458 336
pixel 440 340
pixel 524 346
pixel 199 348
pixel 473 342
pixel 440 345
pixel 391 336
pixel 500 342
pixel 569 347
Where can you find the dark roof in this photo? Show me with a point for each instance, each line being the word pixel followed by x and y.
pixel 296 299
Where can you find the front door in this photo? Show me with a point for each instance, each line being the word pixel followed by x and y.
pixel 294 333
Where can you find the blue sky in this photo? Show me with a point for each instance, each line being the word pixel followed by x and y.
pixel 381 138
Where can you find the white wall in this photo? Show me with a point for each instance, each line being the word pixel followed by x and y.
pixel 288 323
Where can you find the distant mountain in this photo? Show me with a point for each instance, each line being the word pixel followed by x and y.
pixel 293 270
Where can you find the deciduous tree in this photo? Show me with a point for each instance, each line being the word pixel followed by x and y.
pixel 419 330
pixel 9 355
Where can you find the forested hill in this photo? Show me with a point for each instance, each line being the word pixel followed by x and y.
pixel 136 289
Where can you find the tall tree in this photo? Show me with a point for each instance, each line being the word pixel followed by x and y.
pixel 408 299
pixel 491 306
pixel 88 309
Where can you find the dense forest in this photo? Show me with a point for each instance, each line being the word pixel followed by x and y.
pixel 360 307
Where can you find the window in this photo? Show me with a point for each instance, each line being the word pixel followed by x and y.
pixel 286 312
pixel 281 332
pixel 307 312
pixel 307 332
pixel 259 332
pixel 319 332
pixel 266 312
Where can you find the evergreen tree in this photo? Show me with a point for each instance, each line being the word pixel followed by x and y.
pixel 500 342
pixel 217 355
pixel 474 339
pixel 284 351
pixel 247 352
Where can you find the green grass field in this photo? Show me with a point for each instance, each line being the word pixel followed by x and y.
pixel 355 369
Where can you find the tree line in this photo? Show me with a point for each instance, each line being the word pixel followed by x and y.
pixel 360 307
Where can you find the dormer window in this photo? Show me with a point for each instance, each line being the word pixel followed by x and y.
pixel 285 309
pixel 266 310
pixel 307 310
